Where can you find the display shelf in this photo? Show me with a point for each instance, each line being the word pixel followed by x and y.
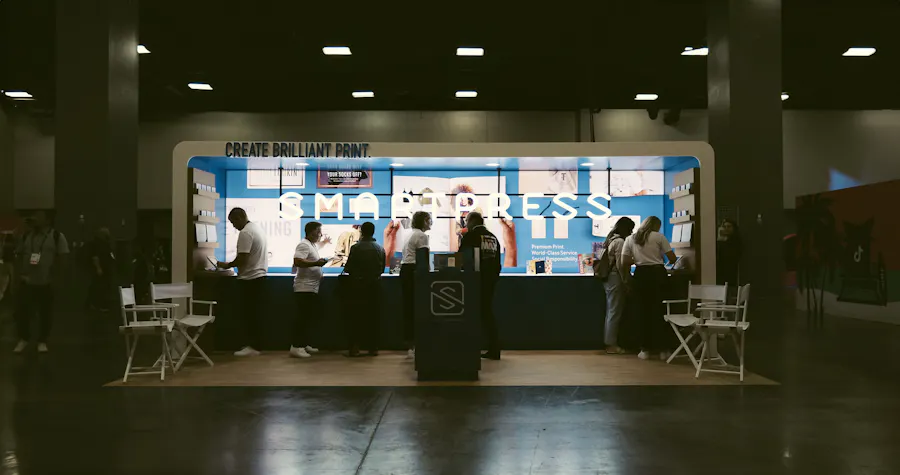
pixel 681 219
pixel 681 245
pixel 680 194
pixel 208 194
pixel 208 245
pixel 207 219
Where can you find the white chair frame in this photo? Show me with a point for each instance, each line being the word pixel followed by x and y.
pixel 160 324
pixel 736 328
pixel 700 295
pixel 191 325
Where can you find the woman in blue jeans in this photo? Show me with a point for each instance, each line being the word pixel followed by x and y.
pixel 615 285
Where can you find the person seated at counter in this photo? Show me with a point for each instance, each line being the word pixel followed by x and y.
pixel 646 249
pixel 365 264
pixel 421 223
pixel 478 237
pixel 306 289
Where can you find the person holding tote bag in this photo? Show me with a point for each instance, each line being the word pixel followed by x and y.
pixel 614 283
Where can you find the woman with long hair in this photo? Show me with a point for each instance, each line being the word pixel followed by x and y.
pixel 421 223
pixel 615 284
pixel 646 249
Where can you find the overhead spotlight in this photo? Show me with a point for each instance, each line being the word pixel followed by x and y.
pixel 672 116
pixel 141 49
pixel 646 97
pixel 469 51
pixel 859 51
pixel 337 50
pixel 362 94
pixel 785 96
pixel 396 164
pixel 18 95
pixel 466 94
pixel 200 86
pixel 653 112
pixel 691 51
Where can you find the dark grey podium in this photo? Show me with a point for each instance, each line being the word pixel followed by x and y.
pixel 448 328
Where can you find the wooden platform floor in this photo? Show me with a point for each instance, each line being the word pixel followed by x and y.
pixel 517 368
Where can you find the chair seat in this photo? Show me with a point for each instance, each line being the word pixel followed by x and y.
pixel 196 320
pixel 682 320
pixel 725 324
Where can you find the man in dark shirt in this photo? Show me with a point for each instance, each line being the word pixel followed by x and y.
pixel 478 237
pixel 365 265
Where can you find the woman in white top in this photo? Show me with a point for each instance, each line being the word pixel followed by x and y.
pixel 646 250
pixel 421 222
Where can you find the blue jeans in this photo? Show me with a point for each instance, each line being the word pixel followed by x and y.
pixel 615 307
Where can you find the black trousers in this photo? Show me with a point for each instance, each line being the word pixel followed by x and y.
pixel 408 284
pixel 34 300
pixel 650 286
pixel 309 309
pixel 364 317
pixel 252 309
pixel 488 321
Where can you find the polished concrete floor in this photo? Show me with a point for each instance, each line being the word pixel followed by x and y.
pixel 836 412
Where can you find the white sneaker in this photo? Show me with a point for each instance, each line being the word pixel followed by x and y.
pixel 299 352
pixel 42 348
pixel 310 349
pixel 644 355
pixel 246 351
pixel 20 346
pixel 411 354
pixel 664 356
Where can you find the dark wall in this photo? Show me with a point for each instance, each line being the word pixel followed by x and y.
pixel 818 145
pixel 7 163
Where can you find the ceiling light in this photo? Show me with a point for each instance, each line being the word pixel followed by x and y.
pixel 359 94
pixel 785 96
pixel 587 164
pixel 141 49
pixel 200 86
pixel 466 51
pixel 466 93
pixel 857 51
pixel 492 164
pixel 396 164
pixel 18 95
pixel 690 51
pixel 337 50
pixel 646 97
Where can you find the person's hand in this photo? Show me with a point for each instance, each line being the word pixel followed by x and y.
pixel 322 262
pixel 221 265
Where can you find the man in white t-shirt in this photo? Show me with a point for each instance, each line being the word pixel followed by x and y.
pixel 252 262
pixel 306 289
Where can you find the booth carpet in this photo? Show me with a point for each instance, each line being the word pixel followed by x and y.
pixel 517 368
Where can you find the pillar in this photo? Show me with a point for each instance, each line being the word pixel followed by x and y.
pixel 7 164
pixel 744 85
pixel 96 117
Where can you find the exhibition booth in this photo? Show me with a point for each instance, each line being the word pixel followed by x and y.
pixel 550 205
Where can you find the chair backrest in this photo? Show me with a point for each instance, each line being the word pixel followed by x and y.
pixel 171 291
pixel 126 299
pixel 708 293
pixel 743 298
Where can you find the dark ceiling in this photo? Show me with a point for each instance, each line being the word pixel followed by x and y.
pixel 266 55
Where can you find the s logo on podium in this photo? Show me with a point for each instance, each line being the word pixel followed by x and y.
pixel 447 298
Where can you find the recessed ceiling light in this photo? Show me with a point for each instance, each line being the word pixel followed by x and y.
pixel 859 51
pixel 301 164
pixel 492 164
pixel 141 49
pixel 359 94
pixel 785 96
pixel 646 97
pixel 587 164
pixel 469 51
pixel 466 93
pixel 691 51
pixel 337 50
pixel 396 164
pixel 200 86
pixel 22 95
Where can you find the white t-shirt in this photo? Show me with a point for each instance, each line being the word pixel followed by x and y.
pixel 307 278
pixel 252 241
pixel 416 240
pixel 651 253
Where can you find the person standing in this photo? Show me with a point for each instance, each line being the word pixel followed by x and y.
pixel 615 284
pixel 646 250
pixel 40 256
pixel 252 264
pixel 478 237
pixel 103 261
pixel 421 223
pixel 365 266
pixel 306 289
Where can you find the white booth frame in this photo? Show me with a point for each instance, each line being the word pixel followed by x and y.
pixel 702 151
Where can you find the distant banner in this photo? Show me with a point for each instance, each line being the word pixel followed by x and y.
pixel 340 177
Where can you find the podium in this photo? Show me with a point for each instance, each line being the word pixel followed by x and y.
pixel 448 320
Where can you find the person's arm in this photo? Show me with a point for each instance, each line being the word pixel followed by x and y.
pixel 352 261
pixel 244 244
pixel 302 260
pixel 625 260
pixel 667 249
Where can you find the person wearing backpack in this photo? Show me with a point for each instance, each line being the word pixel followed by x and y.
pixel 606 268
pixel 39 257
